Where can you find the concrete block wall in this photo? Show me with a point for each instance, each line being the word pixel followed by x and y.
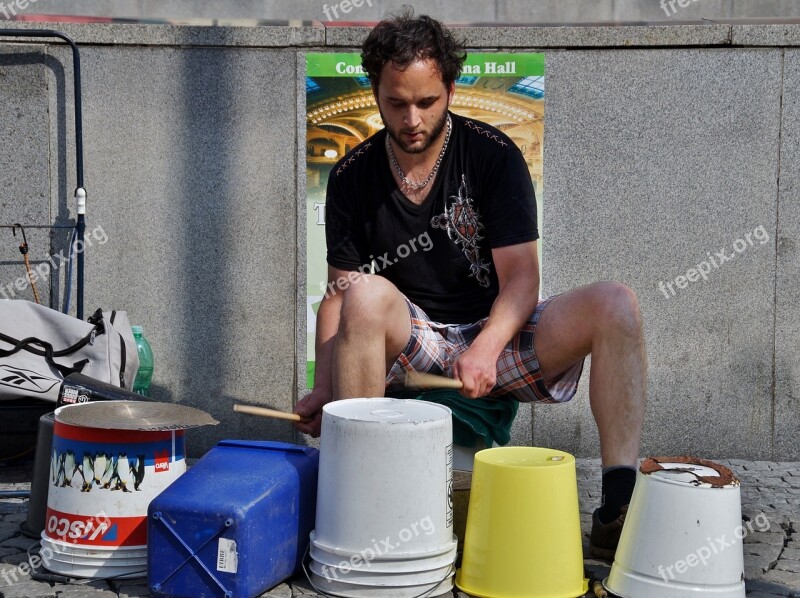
pixel 662 145
pixel 468 11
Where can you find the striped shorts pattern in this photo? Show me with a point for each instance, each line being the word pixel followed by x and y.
pixel 434 347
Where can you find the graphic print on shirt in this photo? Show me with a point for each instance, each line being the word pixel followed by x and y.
pixel 463 225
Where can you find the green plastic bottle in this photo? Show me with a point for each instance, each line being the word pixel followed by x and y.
pixel 141 385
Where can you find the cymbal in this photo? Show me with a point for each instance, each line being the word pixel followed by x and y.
pixel 133 415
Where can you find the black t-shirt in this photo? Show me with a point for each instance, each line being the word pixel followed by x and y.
pixel 439 253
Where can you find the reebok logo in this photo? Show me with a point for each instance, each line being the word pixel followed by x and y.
pixel 25 380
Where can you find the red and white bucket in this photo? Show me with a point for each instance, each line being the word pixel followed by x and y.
pixel 101 483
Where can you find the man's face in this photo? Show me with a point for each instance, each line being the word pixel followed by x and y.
pixel 413 104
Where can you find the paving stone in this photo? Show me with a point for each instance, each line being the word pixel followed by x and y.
pixel 131 589
pixel 772 538
pixel 20 542
pixel 10 575
pixel 759 558
pixel 768 588
pixel 788 565
pixel 305 593
pixel 791 553
pixel 301 587
pixel 787 579
pixel 281 591
pixel 15 584
pixel 95 589
pixel 16 518
pixel 16 558
pixel 29 589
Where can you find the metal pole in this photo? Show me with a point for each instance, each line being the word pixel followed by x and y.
pixel 80 192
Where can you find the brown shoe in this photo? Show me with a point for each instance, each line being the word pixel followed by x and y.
pixel 605 536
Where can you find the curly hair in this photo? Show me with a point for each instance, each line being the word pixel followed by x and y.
pixel 404 38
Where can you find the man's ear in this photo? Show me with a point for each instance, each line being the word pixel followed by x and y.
pixel 451 91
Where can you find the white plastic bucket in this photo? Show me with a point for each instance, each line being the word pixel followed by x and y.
pixel 385 471
pixel 101 483
pixel 683 533
pixel 384 523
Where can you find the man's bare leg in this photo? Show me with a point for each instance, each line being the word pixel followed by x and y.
pixel 602 319
pixel 374 328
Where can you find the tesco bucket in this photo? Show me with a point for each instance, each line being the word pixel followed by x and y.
pixel 384 524
pixel 101 483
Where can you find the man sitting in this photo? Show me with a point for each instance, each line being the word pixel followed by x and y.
pixel 466 307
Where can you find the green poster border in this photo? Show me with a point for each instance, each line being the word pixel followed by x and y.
pixel 348 64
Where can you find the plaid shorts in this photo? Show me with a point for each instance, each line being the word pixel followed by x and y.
pixel 434 347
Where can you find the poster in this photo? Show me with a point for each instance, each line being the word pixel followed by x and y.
pixel 505 90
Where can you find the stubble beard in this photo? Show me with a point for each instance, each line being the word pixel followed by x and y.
pixel 435 134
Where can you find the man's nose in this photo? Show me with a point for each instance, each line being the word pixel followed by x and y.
pixel 413 117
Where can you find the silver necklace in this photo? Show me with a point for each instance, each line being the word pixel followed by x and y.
pixel 423 184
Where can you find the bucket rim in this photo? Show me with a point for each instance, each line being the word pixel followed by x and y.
pixel 539 457
pixel 351 591
pixel 579 591
pixel 396 555
pixel 386 410
pixel 111 549
pixel 74 559
pixel 102 572
pixel 402 580
pixel 655 586
pixel 387 566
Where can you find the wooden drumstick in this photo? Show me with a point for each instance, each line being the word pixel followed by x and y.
pixel 264 412
pixel 422 379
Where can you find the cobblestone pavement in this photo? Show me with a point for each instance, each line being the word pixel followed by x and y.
pixel 771 557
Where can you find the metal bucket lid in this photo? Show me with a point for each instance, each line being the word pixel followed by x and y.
pixel 133 415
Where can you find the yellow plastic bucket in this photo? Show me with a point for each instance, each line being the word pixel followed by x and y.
pixel 523 537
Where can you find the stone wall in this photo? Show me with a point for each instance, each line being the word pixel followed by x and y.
pixel 663 146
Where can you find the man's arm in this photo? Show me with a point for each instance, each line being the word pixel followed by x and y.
pixel 517 269
pixel 327 327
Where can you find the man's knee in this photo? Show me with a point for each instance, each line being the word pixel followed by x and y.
pixel 367 297
pixel 619 307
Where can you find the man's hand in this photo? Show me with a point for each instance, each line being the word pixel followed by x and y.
pixel 477 369
pixel 518 275
pixel 310 406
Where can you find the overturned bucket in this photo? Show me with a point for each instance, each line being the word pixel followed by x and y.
pixel 102 479
pixel 523 535
pixel 384 524
pixel 683 533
